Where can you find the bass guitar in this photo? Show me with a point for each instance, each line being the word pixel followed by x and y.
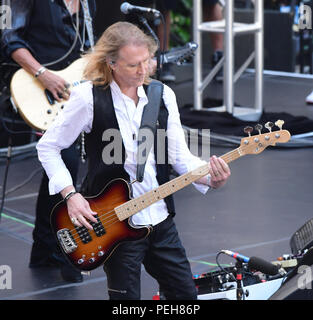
pixel 87 249
pixel 37 106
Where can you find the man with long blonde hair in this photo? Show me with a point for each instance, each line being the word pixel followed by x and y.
pixel 101 60
pixel 114 97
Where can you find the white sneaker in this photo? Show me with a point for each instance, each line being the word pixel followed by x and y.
pixel 309 98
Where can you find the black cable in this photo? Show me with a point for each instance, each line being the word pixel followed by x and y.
pixel 145 23
pixel 5 178
pixel 161 16
pixel 224 270
pixel 164 32
pixel 9 153
pixel 9 157
pixel 15 132
pixel 23 183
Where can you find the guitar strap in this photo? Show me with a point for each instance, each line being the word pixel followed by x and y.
pixel 148 126
pixel 88 23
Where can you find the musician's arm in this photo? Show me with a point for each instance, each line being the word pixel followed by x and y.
pixel 180 156
pixel 25 59
pixel 54 83
pixel 77 116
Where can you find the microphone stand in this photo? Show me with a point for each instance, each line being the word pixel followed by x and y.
pixel 240 293
pixel 144 21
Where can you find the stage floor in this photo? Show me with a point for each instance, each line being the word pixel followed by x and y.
pixel 267 199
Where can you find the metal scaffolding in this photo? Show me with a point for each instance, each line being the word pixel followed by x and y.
pixel 230 30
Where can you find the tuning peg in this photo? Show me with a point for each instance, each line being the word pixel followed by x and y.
pixel 258 127
pixel 248 130
pixel 269 125
pixel 279 124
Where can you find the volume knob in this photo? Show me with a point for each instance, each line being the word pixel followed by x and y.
pixel 92 260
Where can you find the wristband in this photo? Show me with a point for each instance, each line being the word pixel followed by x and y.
pixel 40 71
pixel 68 195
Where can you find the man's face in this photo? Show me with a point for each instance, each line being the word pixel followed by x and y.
pixel 131 66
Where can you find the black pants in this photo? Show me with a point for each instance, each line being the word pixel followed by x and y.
pixel 164 259
pixel 45 248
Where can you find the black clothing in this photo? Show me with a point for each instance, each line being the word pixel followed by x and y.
pixel 46 29
pixel 163 257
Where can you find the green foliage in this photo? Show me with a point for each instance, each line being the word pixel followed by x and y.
pixel 181 27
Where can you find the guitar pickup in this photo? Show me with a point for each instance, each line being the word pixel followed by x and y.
pixel 98 227
pixel 83 234
pixel 50 97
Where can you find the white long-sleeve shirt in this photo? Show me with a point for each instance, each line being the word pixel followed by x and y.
pixel 77 116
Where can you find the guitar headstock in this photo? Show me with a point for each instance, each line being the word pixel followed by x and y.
pixel 255 144
pixel 179 54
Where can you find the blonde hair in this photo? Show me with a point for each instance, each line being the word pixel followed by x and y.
pixel 106 50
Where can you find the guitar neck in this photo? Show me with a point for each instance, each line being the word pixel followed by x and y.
pixel 133 206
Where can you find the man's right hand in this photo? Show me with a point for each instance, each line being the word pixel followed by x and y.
pixel 79 211
pixel 55 84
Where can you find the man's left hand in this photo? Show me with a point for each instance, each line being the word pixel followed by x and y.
pixel 219 172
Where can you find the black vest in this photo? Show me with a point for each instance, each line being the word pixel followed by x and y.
pixel 100 173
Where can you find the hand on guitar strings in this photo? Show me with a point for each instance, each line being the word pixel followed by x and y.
pixel 80 212
pixel 55 84
pixel 219 172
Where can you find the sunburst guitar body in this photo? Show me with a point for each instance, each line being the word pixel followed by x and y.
pixel 87 249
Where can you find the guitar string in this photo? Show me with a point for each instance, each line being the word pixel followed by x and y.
pixel 108 225
pixel 103 222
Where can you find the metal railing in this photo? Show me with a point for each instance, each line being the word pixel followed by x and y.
pixel 230 30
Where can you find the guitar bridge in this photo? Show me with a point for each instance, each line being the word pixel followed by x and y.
pixel 66 240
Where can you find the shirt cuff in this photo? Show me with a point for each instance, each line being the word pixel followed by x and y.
pixel 193 164
pixel 203 188
pixel 13 46
pixel 59 181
